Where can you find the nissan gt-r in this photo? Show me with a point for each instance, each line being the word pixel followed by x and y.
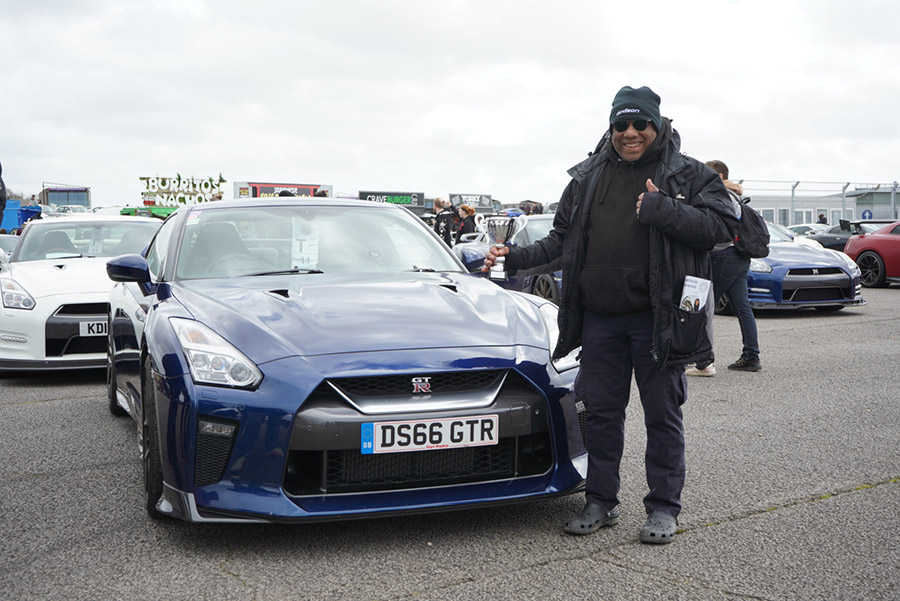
pixel 318 359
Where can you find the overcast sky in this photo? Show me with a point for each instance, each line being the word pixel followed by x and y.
pixel 492 97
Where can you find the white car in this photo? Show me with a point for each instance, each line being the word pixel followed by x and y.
pixel 805 229
pixel 55 291
pixel 72 209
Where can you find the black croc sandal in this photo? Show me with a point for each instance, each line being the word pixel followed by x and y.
pixel 659 529
pixel 592 518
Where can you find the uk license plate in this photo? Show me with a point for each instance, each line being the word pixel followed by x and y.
pixel 92 328
pixel 429 434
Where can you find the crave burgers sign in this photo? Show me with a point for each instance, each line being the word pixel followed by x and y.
pixel 407 199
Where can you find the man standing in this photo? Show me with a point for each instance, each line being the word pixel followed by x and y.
pixel 636 218
pixel 443 221
pixel 722 278
pixel 730 279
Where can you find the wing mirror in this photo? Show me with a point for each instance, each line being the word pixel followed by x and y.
pixel 128 268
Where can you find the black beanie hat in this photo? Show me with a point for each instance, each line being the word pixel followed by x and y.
pixel 640 103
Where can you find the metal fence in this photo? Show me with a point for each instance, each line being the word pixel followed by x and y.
pixel 793 202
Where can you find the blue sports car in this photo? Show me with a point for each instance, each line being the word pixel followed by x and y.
pixel 800 274
pixel 300 359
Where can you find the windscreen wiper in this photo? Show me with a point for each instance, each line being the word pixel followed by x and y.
pixel 284 272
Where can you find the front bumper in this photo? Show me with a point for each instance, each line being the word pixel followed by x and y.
pixel 50 336
pixel 801 288
pixel 304 462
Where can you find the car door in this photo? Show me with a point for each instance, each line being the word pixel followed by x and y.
pixel 889 248
pixel 129 304
pixel 835 238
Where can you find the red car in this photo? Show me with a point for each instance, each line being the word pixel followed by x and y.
pixel 878 255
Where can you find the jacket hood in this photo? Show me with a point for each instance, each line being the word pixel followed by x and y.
pixel 318 314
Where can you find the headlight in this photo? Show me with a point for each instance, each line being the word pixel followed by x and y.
pixel 549 312
pixel 211 358
pixel 760 266
pixel 15 297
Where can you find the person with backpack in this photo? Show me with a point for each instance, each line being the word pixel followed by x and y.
pixel 730 264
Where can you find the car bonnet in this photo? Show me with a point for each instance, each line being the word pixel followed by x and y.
pixel 793 253
pixel 315 314
pixel 61 276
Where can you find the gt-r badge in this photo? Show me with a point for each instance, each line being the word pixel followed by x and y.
pixel 421 385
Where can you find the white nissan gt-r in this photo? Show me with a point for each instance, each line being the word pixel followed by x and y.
pixel 55 291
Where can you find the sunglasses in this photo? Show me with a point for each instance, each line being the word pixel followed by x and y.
pixel 639 124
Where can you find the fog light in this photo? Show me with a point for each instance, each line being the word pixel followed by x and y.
pixel 216 428
pixel 19 339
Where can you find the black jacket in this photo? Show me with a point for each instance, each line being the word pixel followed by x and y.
pixel 467 226
pixel 690 214
pixel 443 225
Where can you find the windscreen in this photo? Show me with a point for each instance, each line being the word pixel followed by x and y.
pixel 247 241
pixel 61 238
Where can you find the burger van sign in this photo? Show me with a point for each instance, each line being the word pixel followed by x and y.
pixel 408 199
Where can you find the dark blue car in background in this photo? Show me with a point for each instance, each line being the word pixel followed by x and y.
pixel 544 281
pixel 293 359
pixel 800 274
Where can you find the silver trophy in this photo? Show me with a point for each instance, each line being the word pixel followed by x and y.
pixel 501 230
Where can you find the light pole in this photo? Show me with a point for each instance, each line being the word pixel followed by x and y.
pixel 894 200
pixel 791 217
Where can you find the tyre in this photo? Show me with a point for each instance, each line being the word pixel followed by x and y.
pixel 872 267
pixel 153 481
pixel 545 287
pixel 111 381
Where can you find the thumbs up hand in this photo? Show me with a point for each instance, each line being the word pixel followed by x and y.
pixel 651 187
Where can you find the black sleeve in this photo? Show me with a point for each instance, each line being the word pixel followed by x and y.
pixel 550 247
pixel 695 209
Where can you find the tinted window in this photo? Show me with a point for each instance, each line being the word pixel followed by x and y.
pixel 538 228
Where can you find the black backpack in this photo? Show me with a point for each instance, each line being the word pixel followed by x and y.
pixel 752 241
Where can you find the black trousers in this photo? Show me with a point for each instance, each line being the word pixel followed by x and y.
pixel 613 348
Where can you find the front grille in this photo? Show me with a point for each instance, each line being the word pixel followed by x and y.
pixel 76 345
pixel 819 294
pixel 325 455
pixel 402 385
pixel 84 309
pixel 343 471
pixel 807 271
pixel 211 459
